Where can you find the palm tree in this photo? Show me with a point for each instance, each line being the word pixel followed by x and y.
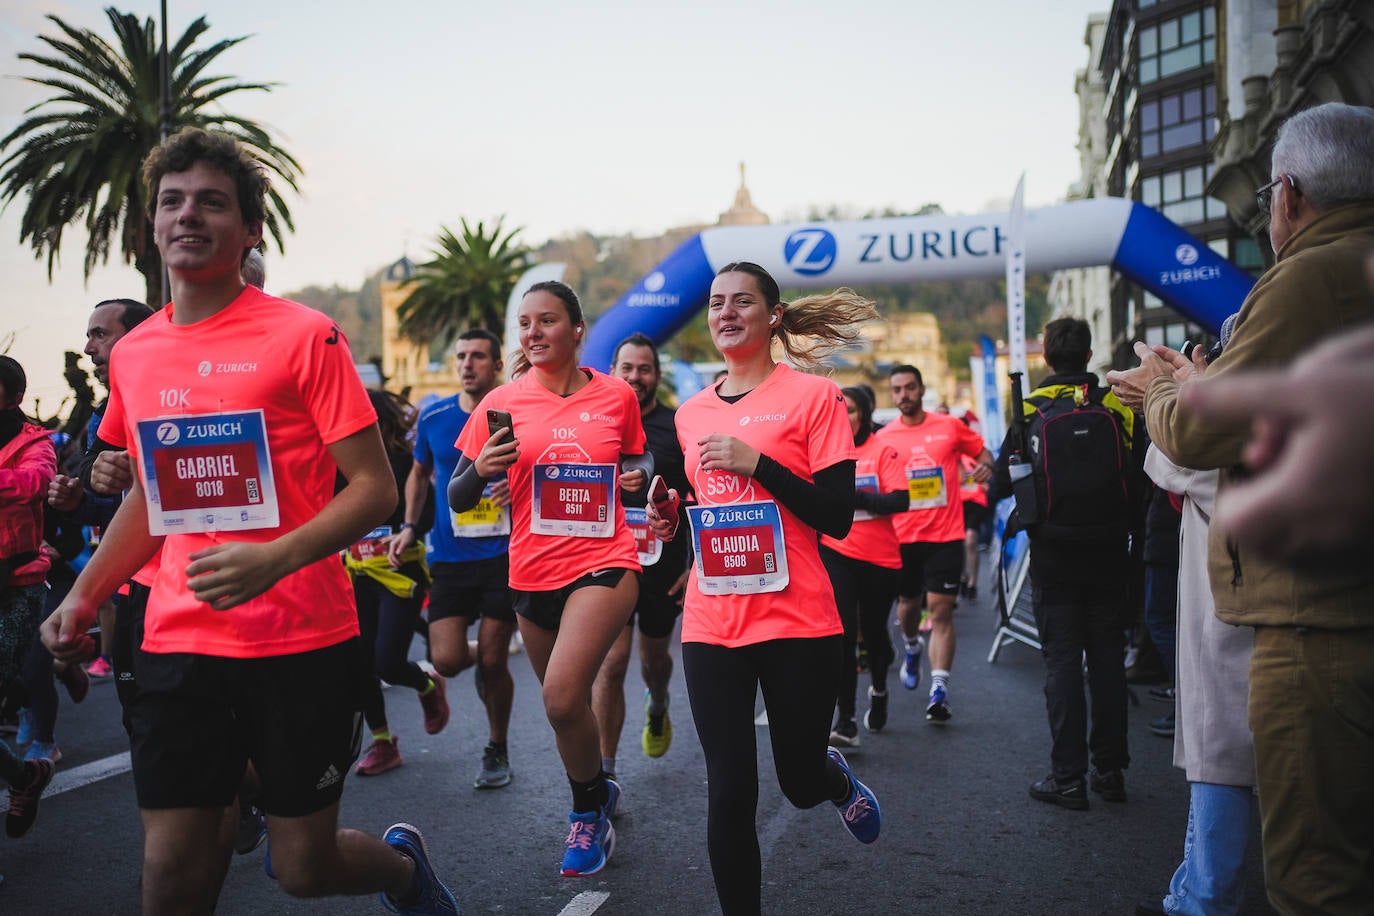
pixel 466 284
pixel 84 160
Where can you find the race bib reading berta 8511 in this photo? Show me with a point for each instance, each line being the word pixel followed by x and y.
pixel 207 473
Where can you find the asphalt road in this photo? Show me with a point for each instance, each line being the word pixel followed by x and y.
pixel 959 834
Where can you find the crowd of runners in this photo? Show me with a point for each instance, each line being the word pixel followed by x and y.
pixel 272 537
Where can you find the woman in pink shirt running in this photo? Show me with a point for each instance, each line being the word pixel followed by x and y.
pixel 771 458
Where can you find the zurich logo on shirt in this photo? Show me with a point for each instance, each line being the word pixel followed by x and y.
pixel 810 252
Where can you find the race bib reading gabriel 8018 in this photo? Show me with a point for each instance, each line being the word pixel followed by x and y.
pixel 207 473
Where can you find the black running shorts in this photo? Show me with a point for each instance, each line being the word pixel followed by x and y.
pixel 478 588
pixel 545 609
pixel 974 515
pixel 196 720
pixel 933 568
pixel 127 637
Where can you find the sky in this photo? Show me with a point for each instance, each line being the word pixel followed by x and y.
pixel 615 117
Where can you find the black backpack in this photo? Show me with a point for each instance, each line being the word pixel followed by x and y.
pixel 1081 465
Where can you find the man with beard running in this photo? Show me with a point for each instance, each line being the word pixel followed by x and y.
pixel 665 571
pixel 931 530
pixel 468 557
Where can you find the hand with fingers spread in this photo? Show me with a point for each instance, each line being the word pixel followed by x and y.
pixel 1311 496
pixel 227 575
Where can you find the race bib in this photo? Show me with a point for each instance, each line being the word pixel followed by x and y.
pixel 574 499
pixel 865 483
pixel 207 473
pixel 925 488
pixel 647 544
pixel 374 545
pixel 740 548
pixel 484 520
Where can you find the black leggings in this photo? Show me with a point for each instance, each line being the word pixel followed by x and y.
pixel 864 594
pixel 798 678
pixel 387 623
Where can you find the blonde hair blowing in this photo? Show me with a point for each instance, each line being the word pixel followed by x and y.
pixel 815 326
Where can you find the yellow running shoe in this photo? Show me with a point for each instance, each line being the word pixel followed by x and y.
pixel 658 729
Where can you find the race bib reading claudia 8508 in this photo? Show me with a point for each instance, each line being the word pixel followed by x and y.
pixel 207 473
pixel 740 548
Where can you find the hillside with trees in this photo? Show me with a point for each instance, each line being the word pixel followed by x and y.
pixel 602 267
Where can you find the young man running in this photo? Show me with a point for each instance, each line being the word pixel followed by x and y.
pixel 932 530
pixel 250 649
pixel 666 566
pixel 469 558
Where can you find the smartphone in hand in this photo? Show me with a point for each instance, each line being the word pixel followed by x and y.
pixel 658 492
pixel 665 504
pixel 500 419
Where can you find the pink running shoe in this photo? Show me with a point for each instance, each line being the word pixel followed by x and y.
pixel 435 705
pixel 100 668
pixel 380 757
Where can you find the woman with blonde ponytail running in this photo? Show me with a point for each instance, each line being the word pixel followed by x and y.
pixel 770 454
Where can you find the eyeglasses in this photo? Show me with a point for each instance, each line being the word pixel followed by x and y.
pixel 1265 196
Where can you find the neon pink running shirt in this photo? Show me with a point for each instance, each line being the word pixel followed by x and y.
pixel 929 453
pixel 293 364
pixel 801 422
pixel 873 539
pixel 569 461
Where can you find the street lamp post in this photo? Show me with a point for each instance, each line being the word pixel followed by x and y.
pixel 165 97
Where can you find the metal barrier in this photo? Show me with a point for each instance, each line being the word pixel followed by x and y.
pixel 1016 616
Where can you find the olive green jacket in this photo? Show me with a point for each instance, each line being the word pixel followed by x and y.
pixel 1318 287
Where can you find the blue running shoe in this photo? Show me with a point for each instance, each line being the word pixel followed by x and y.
pixel 431 898
pixel 938 710
pixel 591 840
pixel 46 749
pixel 613 796
pixel 911 664
pixel 859 811
pixel 25 733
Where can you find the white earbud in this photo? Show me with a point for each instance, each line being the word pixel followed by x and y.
pixel 773 320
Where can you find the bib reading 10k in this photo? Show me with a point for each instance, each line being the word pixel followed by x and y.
pixel 207 473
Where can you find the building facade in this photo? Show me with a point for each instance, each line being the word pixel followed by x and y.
pixel 1179 108
pixel 1086 292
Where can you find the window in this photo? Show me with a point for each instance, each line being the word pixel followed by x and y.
pixel 1179 195
pixel 1178 121
pixel 1245 252
pixel 1175 45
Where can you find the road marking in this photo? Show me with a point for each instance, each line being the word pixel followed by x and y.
pixel 79 777
pixel 585 903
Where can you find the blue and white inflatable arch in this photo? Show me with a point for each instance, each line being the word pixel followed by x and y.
pixel 1126 235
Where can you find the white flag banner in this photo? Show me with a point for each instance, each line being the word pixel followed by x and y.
pixel 1016 280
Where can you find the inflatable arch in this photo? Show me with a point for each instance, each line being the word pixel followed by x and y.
pixel 1124 234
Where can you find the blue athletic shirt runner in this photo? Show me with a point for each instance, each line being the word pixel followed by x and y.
pixel 436 433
